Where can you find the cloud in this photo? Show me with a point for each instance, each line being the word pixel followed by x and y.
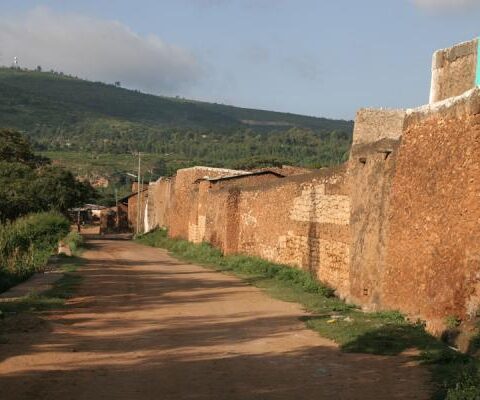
pixel 445 4
pixel 96 49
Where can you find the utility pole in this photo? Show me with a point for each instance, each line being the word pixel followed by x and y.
pixel 138 194
pixel 141 205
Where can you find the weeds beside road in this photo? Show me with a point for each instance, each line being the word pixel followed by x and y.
pixel 388 333
pixel 26 245
pixel 61 290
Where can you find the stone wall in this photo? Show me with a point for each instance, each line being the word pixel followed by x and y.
pixel 301 221
pixel 133 211
pixel 372 165
pixel 213 201
pixel 396 227
pixel 216 217
pixel 160 194
pixel 184 201
pixel 454 71
pixel 433 257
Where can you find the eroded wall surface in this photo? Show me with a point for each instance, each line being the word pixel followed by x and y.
pixel 433 261
pixel 160 200
pixel 454 71
pixel 301 221
pixel 396 227
pixel 373 156
pixel 184 201
pixel 133 211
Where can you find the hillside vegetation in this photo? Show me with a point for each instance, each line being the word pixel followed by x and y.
pixel 27 243
pixel 30 184
pixel 62 113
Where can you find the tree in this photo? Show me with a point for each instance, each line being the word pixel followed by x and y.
pixel 28 183
pixel 15 148
pixel 160 168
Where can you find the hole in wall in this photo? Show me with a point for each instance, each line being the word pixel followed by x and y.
pixel 362 160
pixel 365 291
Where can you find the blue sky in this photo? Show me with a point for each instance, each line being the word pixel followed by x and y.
pixel 314 57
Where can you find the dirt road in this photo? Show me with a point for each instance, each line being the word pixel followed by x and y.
pixel 145 326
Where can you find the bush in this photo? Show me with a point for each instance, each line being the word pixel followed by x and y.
pixel 466 384
pixel 26 244
pixel 74 241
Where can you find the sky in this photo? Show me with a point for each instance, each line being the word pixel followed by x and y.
pixel 324 58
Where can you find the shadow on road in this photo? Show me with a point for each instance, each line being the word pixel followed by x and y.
pixel 145 326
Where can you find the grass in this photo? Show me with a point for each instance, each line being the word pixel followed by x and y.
pixel 26 245
pixel 385 333
pixel 55 297
pixel 74 241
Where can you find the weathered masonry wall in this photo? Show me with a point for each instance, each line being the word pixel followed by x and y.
pixel 396 227
pixel 217 223
pixel 433 258
pixel 133 210
pixel 454 71
pixel 301 221
pixel 372 165
pixel 160 195
pixel 183 203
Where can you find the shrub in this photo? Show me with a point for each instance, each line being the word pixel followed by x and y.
pixel 74 241
pixel 26 244
pixel 467 383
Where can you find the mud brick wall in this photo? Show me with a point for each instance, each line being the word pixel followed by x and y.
pixel 454 71
pixel 377 135
pixel 186 190
pixel 433 262
pixel 301 221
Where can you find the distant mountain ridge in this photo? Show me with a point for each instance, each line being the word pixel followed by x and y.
pixel 61 112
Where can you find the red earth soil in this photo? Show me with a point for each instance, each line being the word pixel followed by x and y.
pixel 146 326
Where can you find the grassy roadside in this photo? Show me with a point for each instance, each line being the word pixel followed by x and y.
pixel 387 333
pixel 55 297
pixel 26 245
pixel 75 242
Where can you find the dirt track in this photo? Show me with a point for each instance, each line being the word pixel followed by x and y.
pixel 145 326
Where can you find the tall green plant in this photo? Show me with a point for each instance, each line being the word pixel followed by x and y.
pixel 27 243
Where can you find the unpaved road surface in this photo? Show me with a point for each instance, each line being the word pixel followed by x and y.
pixel 145 326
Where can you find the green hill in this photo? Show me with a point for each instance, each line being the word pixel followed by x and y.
pixel 62 113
